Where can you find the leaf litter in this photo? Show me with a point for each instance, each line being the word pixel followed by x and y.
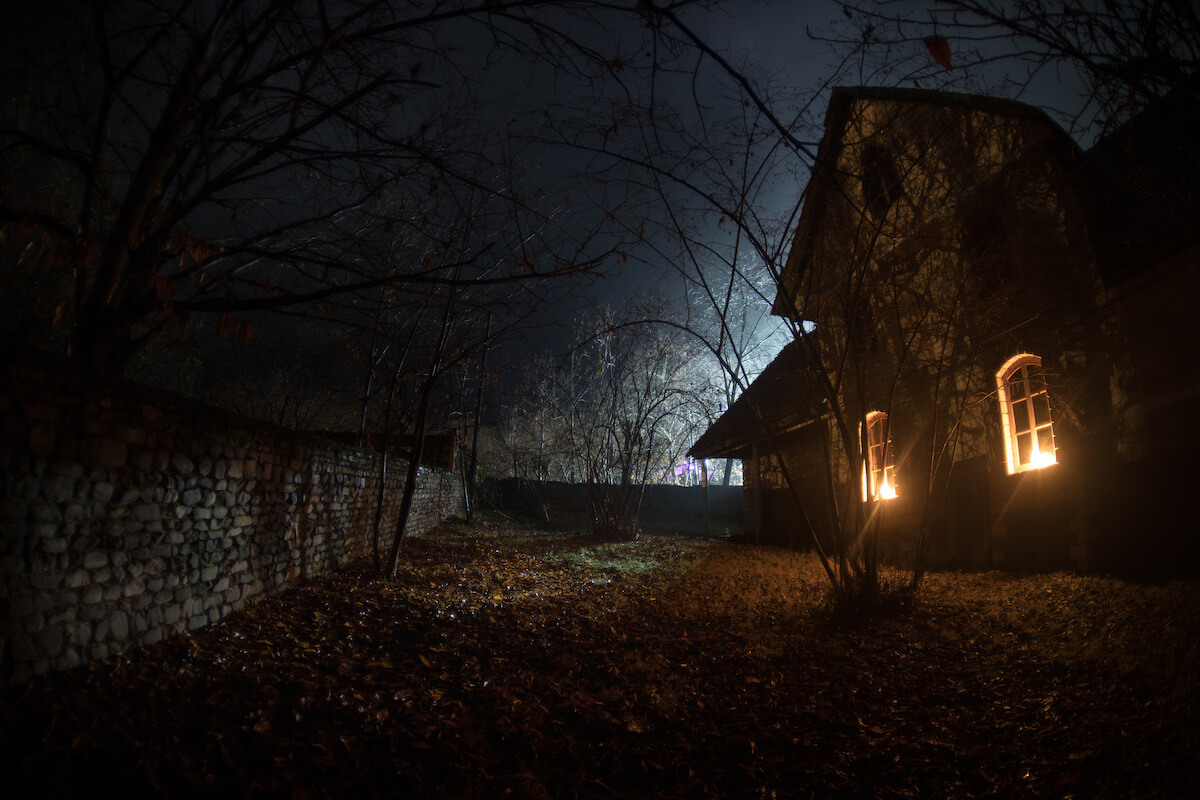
pixel 505 662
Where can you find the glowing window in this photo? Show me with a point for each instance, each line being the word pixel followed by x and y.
pixel 879 468
pixel 1025 414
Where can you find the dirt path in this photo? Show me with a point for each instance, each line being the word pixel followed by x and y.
pixel 506 662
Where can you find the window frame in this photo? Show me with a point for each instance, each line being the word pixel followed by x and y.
pixel 879 460
pixel 1026 411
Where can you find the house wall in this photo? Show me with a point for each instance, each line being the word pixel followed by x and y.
pixel 943 314
pixel 131 515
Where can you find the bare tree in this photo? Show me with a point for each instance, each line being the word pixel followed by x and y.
pixel 616 414
pixel 167 159
pixel 1120 54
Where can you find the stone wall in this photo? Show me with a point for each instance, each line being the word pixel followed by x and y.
pixel 663 508
pixel 128 516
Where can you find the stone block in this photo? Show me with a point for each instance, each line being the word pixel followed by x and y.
pixel 108 452
pixel 50 642
pixel 70 659
pixel 74 513
pixel 133 587
pixel 55 545
pixel 118 626
pixel 182 463
pixel 198 621
pixel 58 489
pixel 153 636
pixel 132 434
pixel 95 559
pixel 43 513
pixel 75 578
pixel 147 512
pixel 93 594
pixel 81 634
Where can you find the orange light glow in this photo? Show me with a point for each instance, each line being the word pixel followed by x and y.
pixel 1038 459
pixel 887 491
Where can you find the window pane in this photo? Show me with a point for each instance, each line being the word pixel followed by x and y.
pixel 1046 440
pixel 1041 409
pixel 1016 386
pixel 1020 414
pixel 1024 448
pixel 1037 383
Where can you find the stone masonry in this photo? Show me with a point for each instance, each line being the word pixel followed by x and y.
pixel 128 516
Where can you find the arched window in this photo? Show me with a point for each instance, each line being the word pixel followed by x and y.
pixel 1025 414
pixel 879 467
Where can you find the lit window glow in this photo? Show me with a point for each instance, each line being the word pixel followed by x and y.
pixel 879 468
pixel 1025 415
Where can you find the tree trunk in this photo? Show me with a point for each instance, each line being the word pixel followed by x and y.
pixel 410 478
pixel 470 489
pixel 418 448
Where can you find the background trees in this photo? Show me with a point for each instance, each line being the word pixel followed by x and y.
pixel 616 413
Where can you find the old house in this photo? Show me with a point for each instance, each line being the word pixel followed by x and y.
pixel 1002 365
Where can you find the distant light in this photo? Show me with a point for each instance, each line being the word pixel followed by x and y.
pixel 887 491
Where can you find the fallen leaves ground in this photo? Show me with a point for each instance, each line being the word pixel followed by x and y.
pixel 509 662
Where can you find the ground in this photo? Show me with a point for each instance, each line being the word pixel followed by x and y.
pixel 512 662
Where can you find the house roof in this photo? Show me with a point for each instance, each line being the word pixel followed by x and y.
pixel 784 395
pixel 1145 177
pixel 838 115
